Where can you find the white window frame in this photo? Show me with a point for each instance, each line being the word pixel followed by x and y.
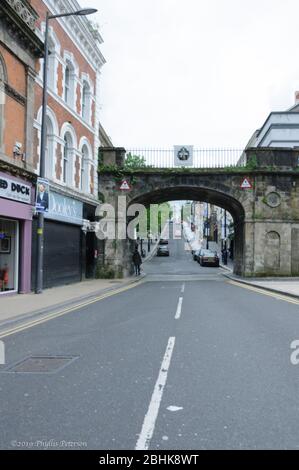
pixel 70 90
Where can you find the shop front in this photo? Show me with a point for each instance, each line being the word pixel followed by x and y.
pixel 16 210
pixel 62 241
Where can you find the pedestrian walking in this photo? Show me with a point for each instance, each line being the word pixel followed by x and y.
pixel 137 261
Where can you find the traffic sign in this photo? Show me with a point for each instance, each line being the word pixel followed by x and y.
pixel 246 184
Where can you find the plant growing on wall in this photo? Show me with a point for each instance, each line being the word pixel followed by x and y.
pixel 134 162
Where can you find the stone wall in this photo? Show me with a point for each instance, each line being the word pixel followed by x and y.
pixel 266 215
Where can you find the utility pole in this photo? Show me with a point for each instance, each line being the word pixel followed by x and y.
pixel 225 239
pixel 208 226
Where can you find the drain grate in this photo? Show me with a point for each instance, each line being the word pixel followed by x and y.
pixel 41 364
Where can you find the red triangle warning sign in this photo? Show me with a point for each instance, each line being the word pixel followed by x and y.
pixel 125 186
pixel 246 184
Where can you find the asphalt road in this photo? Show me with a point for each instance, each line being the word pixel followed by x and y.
pixel 170 364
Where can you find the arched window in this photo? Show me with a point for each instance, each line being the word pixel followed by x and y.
pixel 67 163
pixel 51 64
pixel 2 70
pixel 67 84
pixel 49 147
pixel 70 74
pixel 86 102
pixel 84 180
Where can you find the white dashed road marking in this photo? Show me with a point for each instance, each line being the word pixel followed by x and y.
pixel 151 416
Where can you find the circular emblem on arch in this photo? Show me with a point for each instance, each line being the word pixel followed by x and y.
pixel 183 154
pixel 273 199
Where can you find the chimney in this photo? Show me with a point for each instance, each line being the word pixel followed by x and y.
pixel 296 97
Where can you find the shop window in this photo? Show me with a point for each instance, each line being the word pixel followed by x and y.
pixel 9 255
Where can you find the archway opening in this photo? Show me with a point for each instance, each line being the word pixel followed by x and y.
pixel 231 239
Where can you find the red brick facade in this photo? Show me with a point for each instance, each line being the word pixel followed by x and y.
pixel 67 115
pixel 14 122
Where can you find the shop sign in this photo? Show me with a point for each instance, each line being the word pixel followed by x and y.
pixel 65 209
pixel 15 190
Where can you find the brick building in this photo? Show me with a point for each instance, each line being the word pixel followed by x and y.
pixel 20 48
pixel 72 140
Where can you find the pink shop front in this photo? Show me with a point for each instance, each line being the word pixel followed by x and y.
pixel 16 211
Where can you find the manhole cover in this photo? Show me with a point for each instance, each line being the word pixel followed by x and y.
pixel 41 364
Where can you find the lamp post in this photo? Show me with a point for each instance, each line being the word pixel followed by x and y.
pixel 41 222
pixel 208 226
pixel 225 238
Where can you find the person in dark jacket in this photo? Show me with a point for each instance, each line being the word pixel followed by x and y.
pixel 137 261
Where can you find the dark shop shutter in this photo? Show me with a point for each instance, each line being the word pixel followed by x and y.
pixel 62 258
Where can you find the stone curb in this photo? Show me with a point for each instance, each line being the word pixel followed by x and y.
pixel 68 303
pixel 268 289
pixel 223 266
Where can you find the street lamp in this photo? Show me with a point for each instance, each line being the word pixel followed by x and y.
pixel 41 223
pixel 208 226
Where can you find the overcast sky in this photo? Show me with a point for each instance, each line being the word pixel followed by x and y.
pixel 203 73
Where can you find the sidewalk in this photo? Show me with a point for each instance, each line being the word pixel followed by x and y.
pixel 16 307
pixel 286 286
pixel 283 285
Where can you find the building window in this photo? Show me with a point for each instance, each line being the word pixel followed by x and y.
pixel 51 65
pixel 49 147
pixel 67 84
pixel 84 169
pixel 9 259
pixel 67 158
pixel 86 102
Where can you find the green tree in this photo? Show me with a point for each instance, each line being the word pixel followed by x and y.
pixel 134 161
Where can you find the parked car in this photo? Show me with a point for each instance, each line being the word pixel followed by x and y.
pixel 208 258
pixel 196 254
pixel 163 251
pixel 163 242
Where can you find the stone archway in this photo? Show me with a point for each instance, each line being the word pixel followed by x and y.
pixel 201 194
pixel 269 204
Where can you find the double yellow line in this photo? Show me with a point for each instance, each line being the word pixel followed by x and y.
pixel 60 313
pixel 258 290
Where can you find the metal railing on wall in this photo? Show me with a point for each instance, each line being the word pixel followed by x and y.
pixel 202 157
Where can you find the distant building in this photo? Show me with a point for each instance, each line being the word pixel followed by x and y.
pixel 281 129
pixel 104 139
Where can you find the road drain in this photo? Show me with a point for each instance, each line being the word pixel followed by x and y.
pixel 41 364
